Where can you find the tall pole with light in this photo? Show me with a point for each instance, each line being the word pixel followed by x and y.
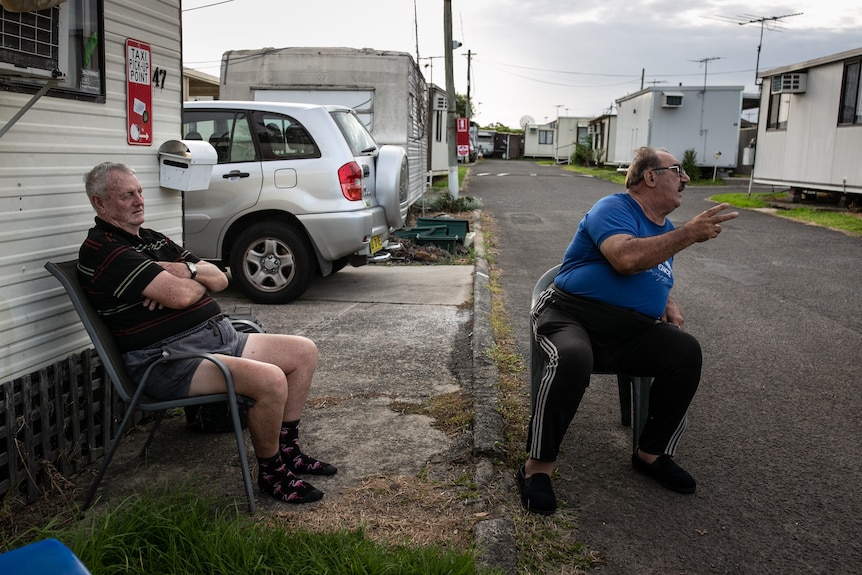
pixel 449 46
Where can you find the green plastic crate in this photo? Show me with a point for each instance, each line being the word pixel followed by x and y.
pixel 454 227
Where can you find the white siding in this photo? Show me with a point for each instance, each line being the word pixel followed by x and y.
pixel 707 121
pixel 632 125
pixel 43 207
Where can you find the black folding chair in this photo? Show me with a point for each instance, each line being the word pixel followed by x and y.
pixel 135 395
pixel 633 390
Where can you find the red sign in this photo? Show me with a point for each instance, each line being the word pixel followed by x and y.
pixel 462 126
pixel 139 93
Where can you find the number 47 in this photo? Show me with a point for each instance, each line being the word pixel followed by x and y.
pixel 159 77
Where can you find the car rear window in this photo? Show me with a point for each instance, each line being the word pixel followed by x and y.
pixel 357 136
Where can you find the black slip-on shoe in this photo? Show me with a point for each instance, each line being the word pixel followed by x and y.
pixel 666 472
pixel 537 493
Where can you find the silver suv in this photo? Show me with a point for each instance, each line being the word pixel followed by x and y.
pixel 299 189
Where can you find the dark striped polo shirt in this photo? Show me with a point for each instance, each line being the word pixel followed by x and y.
pixel 115 267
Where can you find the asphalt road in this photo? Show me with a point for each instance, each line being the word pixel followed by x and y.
pixel 774 431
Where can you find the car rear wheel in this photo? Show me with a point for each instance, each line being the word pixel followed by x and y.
pixel 271 263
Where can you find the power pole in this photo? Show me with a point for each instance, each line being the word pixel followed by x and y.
pixel 451 112
pixel 469 112
pixel 703 131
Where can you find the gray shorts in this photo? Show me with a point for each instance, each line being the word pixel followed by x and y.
pixel 171 379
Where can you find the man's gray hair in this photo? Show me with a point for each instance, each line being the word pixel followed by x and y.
pixel 645 159
pixel 96 180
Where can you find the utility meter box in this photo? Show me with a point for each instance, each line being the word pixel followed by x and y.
pixel 186 165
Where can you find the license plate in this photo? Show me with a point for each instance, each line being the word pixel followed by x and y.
pixel 375 245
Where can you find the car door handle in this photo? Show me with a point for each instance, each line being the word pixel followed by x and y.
pixel 235 174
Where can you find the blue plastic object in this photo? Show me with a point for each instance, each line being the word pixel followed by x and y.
pixel 42 558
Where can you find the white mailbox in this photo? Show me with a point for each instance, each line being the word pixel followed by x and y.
pixel 186 165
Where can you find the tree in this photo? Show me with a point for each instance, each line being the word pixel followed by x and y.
pixel 461 105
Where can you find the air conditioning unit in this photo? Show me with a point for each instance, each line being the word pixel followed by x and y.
pixel 793 83
pixel 671 99
pixel 35 44
pixel 441 103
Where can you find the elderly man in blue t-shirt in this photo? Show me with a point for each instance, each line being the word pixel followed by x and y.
pixel 609 309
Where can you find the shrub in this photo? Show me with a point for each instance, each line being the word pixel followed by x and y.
pixel 689 164
pixel 583 155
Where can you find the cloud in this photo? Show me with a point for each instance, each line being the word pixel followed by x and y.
pixel 528 56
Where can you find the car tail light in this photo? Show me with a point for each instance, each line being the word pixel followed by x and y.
pixel 350 178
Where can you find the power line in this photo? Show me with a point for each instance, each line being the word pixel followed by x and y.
pixel 206 5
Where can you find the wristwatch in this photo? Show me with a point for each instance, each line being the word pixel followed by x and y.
pixel 193 269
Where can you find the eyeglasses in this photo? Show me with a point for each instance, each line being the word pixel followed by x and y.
pixel 676 168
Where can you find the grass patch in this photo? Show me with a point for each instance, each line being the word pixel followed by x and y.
pixel 611 174
pixel 849 223
pixel 546 545
pixel 845 222
pixel 452 412
pixel 745 201
pixel 514 400
pixel 440 183
pixel 173 530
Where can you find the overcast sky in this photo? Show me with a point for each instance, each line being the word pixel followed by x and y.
pixel 538 58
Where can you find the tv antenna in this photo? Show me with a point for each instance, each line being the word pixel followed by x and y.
pixel 705 62
pixel 765 22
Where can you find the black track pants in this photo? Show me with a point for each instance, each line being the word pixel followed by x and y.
pixel 576 336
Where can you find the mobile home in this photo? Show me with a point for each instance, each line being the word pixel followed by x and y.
pixel 103 84
pixel 809 137
pixel 700 118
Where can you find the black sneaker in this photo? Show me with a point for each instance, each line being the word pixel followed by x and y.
pixel 537 494
pixel 666 472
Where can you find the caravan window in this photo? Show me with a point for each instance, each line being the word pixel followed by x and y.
pixel 66 40
pixel 779 111
pixel 850 111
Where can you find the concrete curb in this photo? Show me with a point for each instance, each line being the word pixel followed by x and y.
pixel 488 424
pixel 494 538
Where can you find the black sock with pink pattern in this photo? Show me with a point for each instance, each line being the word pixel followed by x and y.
pixel 276 479
pixel 294 458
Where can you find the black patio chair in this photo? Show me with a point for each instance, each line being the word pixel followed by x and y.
pixel 135 396
pixel 633 390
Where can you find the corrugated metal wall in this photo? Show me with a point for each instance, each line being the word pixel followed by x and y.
pixel 44 211
pixel 417 145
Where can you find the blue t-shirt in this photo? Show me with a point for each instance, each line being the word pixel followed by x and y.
pixel 586 272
